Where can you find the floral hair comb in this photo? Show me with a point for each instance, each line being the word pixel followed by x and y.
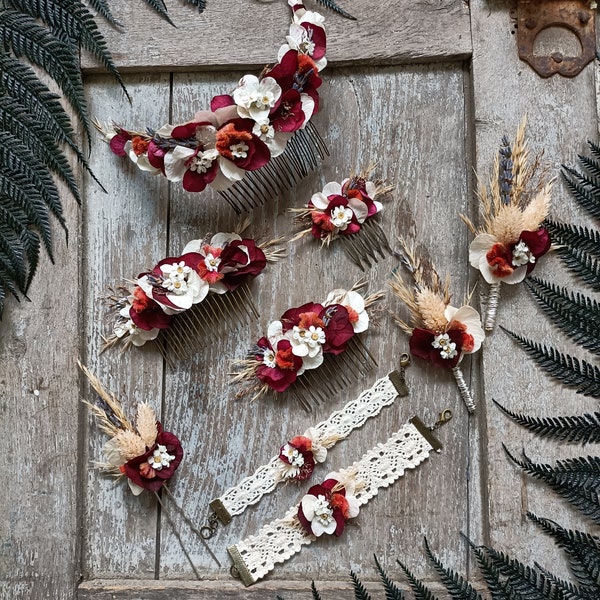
pixel 252 144
pixel 297 458
pixel 328 506
pixel 439 333
pixel 145 455
pixel 506 249
pixel 343 211
pixel 182 295
pixel 300 339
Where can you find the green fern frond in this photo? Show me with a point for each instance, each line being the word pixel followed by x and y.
pixel 161 9
pixel 360 592
pixel 199 4
pixel 497 587
pixel 583 331
pixel 582 429
pixel 574 236
pixel 102 8
pixel 570 371
pixel 583 265
pixel 584 190
pixel 26 38
pixel 73 19
pixel 392 592
pixel 591 165
pixel 336 8
pixel 457 586
pixel 315 593
pixel 582 549
pixel 583 497
pixel 420 590
pixel 17 121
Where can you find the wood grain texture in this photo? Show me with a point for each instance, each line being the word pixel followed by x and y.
pixel 231 33
pixel 39 408
pixel 561 116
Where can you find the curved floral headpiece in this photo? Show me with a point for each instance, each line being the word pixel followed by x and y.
pixel 217 265
pixel 242 131
pixel 344 210
pixel 512 239
pixel 300 339
pixel 439 333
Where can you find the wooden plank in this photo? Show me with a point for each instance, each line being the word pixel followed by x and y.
pixel 124 232
pixel 561 116
pixel 39 408
pixel 384 33
pixel 397 117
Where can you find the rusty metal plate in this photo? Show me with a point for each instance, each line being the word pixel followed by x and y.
pixel 533 16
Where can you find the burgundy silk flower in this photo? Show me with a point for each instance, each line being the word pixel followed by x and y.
pixel 538 243
pixel 283 374
pixel 334 201
pixel 324 489
pixel 338 328
pixel 307 468
pixel 287 114
pixel 292 316
pixel 151 317
pixel 245 265
pixel 132 467
pixel 118 141
pixel 421 346
pixel 298 72
pixel 196 181
pixel 240 131
pixel 318 38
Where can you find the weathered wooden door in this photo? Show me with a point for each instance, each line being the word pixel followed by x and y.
pixel 425 91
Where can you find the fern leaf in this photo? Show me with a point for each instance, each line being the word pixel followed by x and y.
pixel 392 592
pixel 588 196
pixel 567 590
pixel 17 121
pixel 457 586
pixel 26 38
pixel 572 372
pixel 420 590
pixel 499 589
pixel 583 265
pixel 199 4
pixel 102 8
pixel 72 18
pixel 582 549
pixel 581 496
pixel 161 9
pixel 360 592
pixel 315 593
pixel 574 236
pixel 583 331
pixel 581 429
pixel 336 8
pixel 591 165
pixel 12 256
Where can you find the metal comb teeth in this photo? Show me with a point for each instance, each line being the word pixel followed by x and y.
pixel 368 246
pixel 303 154
pixel 216 315
pixel 318 386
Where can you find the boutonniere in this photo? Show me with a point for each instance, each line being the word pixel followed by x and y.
pixel 207 272
pixel 508 245
pixel 439 333
pixel 144 454
pixel 245 131
pixel 344 211
pixel 299 341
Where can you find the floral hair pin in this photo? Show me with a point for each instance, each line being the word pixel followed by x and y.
pixel 251 144
pixel 439 333
pixel 182 294
pixel 297 458
pixel 298 342
pixel 145 455
pixel 327 507
pixel 343 211
pixel 510 242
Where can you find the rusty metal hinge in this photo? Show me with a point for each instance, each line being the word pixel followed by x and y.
pixel 534 16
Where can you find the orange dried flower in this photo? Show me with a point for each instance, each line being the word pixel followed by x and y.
pixel 310 318
pixel 139 145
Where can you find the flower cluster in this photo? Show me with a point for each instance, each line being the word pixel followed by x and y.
pixel 177 283
pixel 302 336
pixel 298 456
pixel 146 454
pixel 242 131
pixel 341 209
pixel 327 506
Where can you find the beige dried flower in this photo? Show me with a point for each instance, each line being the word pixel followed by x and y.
pixel 146 424
pixel 130 444
pixel 431 308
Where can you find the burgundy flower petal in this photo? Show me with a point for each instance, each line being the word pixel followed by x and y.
pixel 303 520
pixel 420 343
pixel 150 318
pixel 187 130
pixel 287 115
pixel 307 468
pixel 340 522
pixel 538 243
pixel 291 316
pixel 277 379
pixel 193 181
pixel 221 101
pixel 247 264
pixel 318 38
pixel 156 156
pixel 338 330
pixel 118 141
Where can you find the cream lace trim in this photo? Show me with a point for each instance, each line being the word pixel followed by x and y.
pixel 255 556
pixel 338 426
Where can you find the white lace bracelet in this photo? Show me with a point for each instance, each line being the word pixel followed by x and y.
pixel 326 507
pixel 297 457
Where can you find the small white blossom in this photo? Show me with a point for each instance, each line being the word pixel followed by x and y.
pixel 522 255
pixel 256 97
pixel 341 216
pixel 239 150
pixel 263 130
pixel 269 358
pixel 212 262
pixel 160 458
pixel 293 455
pixel 447 348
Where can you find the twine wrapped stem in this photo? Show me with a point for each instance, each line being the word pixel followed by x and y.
pixel 492 306
pixel 463 388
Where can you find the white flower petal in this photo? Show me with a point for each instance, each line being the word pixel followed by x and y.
pixel 353 506
pixel 135 488
pixel 308 108
pixel 308 503
pixel 359 208
pixel 320 201
pixel 479 247
pixel 333 187
pixel 470 318
pixel 312 362
pixel 193 246
pixel 318 529
pixel 175 162
pixel 274 332
pixel 220 240
pixel 230 169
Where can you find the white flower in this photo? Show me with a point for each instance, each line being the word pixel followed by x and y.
pixel 141 160
pixel 275 140
pixel 522 255
pixel 239 150
pixel 256 97
pixel 478 250
pixel 203 161
pixel 126 326
pixel 470 319
pixel 269 358
pixel 318 451
pixel 446 347
pixel 160 458
pixel 319 513
pixel 341 216
pixel 354 303
pixel 307 342
pixel 293 455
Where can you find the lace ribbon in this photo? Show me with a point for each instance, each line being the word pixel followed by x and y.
pixel 338 426
pixel 279 540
